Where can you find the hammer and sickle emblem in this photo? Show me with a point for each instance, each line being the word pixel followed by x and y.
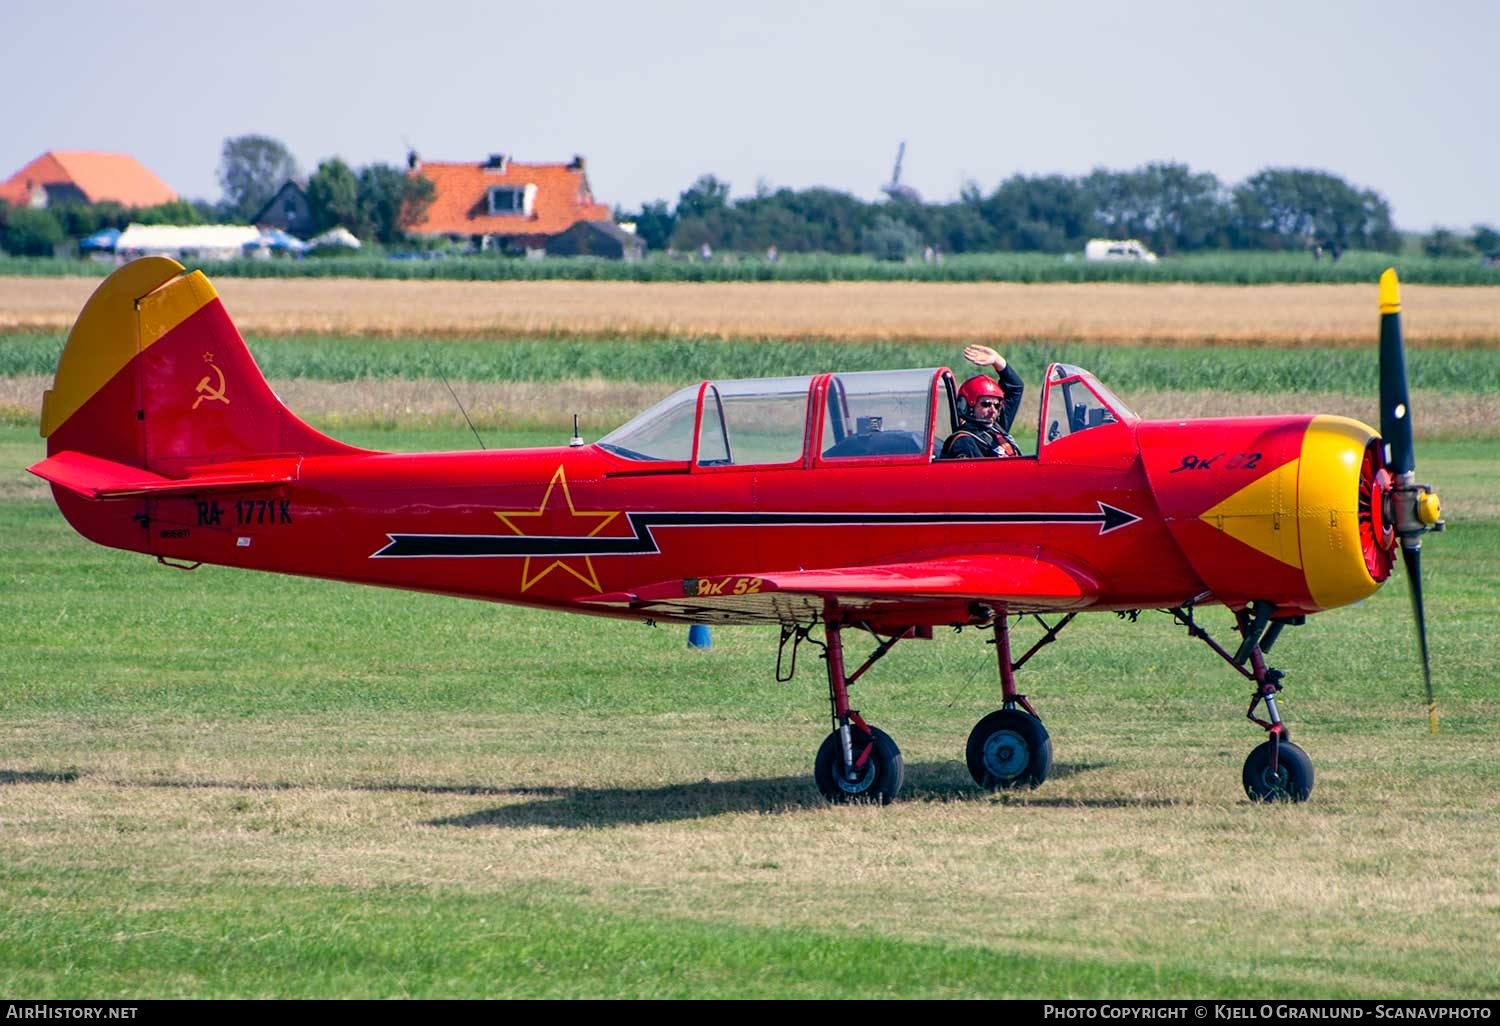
pixel 205 391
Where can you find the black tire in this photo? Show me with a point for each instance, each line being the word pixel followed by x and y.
pixel 1007 749
pixel 884 770
pixel 1292 781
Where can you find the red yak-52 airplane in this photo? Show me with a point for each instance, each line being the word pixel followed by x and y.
pixel 795 502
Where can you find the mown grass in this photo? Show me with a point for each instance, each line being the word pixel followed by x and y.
pixel 231 939
pixel 228 784
pixel 1234 268
pixel 680 361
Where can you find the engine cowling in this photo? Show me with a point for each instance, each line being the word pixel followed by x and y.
pixel 1288 510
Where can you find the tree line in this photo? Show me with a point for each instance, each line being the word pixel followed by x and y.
pixel 1168 206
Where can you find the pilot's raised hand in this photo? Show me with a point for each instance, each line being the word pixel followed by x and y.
pixel 984 356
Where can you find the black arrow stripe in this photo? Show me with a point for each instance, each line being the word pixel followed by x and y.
pixel 643 542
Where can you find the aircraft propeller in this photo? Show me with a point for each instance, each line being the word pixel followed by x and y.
pixel 1413 508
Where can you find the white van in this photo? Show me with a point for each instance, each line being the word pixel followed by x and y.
pixel 1117 249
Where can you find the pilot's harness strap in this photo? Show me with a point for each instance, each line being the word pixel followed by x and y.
pixel 999 444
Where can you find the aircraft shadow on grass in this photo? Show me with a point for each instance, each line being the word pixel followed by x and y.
pixel 579 808
pixel 38 776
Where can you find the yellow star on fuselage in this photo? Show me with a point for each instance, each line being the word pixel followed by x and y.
pixel 545 520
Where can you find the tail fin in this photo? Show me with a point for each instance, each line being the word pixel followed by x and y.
pixel 155 376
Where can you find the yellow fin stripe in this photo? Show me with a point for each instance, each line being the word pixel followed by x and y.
pixel 108 333
pixel 170 305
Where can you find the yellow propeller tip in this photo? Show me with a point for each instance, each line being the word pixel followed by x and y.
pixel 1432 719
pixel 1390 292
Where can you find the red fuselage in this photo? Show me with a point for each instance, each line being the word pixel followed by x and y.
pixel 557 527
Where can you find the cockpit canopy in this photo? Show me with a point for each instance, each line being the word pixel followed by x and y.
pixel 1075 402
pixel 886 416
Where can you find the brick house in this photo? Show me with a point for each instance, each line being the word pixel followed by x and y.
pixel 502 203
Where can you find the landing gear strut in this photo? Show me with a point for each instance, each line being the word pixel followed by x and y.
pixel 1010 748
pixel 856 761
pixel 1276 770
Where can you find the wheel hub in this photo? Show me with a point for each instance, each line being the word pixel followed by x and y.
pixel 1005 754
pixel 859 782
pixel 1273 783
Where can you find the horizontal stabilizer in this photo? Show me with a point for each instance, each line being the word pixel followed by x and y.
pixel 95 478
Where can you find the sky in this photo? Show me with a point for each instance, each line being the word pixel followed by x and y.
pixel 1395 97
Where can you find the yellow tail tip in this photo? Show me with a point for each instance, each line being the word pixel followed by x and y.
pixel 1390 292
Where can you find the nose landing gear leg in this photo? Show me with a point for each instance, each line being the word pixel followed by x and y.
pixel 1276 770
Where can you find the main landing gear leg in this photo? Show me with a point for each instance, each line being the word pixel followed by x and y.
pixel 1010 747
pixel 856 761
pixel 1276 770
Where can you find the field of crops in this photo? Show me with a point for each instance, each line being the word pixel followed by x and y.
pixel 1237 268
pixel 223 784
pixel 860 311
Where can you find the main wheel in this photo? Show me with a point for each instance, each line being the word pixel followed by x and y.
pixel 1292 781
pixel 1009 748
pixel 877 780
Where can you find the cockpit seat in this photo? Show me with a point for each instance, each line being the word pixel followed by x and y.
pixel 877 443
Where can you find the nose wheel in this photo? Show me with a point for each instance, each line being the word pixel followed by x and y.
pixel 1278 771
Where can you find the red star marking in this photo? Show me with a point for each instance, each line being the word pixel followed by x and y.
pixel 559 519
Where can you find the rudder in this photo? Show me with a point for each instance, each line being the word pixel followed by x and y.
pixel 155 375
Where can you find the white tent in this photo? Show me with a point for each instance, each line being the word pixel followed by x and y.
pixel 203 241
pixel 335 236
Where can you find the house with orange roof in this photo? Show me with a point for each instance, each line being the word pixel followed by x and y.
pixel 81 176
pixel 503 203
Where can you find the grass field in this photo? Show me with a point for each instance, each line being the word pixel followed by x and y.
pixel 235 785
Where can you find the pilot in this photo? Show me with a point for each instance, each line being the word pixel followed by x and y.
pixel 987 409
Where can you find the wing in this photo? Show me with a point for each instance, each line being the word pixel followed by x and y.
pixel 930 591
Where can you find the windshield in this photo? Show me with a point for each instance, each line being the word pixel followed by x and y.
pixel 1076 402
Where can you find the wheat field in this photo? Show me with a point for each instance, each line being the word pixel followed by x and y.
pixel 1278 315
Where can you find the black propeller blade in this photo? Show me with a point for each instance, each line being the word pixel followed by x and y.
pixel 1395 400
pixel 1401 460
pixel 1412 560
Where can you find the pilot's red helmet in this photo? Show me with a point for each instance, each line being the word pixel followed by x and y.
pixel 971 391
